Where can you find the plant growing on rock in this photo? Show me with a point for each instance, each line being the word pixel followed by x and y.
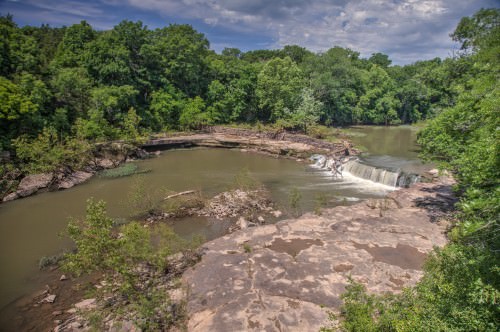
pixel 135 263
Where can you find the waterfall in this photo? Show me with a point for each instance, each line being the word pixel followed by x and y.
pixel 358 169
pixel 375 174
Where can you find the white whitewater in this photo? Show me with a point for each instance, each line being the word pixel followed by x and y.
pixel 355 168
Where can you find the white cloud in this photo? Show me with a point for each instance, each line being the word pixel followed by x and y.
pixel 406 29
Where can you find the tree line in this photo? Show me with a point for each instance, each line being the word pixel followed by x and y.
pixel 98 85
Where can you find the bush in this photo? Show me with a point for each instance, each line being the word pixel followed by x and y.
pixel 133 263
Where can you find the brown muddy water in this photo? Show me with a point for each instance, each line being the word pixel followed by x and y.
pixel 394 148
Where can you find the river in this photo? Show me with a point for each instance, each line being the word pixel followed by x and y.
pixel 31 228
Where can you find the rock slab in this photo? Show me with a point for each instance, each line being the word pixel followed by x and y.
pixel 286 276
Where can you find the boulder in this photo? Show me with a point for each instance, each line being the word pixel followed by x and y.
pixel 86 304
pixel 105 163
pixel 32 183
pixel 10 197
pixel 74 179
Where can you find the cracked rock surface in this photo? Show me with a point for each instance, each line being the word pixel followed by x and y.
pixel 286 276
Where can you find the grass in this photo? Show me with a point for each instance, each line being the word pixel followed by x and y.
pixel 123 170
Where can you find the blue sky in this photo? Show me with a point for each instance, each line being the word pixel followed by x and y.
pixel 406 30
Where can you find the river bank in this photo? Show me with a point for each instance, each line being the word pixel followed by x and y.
pixel 288 275
pixel 294 271
pixel 113 154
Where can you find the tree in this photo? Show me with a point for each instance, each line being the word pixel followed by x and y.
pixel 378 105
pixel 70 52
pixel 380 59
pixel 279 84
pixel 308 112
pixel 193 115
pixel 337 82
pixel 113 101
pixel 182 51
pixel 71 88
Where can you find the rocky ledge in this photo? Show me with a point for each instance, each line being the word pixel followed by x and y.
pixel 287 276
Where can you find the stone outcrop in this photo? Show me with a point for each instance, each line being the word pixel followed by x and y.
pixel 288 145
pixel 30 185
pixel 73 179
pixel 286 276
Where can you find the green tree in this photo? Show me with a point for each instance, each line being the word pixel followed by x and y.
pixel 71 88
pixel 182 52
pixel 307 113
pixel 193 115
pixel 279 84
pixel 70 51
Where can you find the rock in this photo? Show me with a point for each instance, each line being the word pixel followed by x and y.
pixel 71 311
pixel 261 219
pixel 57 313
pixel 157 153
pixel 10 197
pixel 63 277
pixel 32 183
pixel 277 213
pixel 105 163
pixel 242 223
pixel 74 179
pixel 86 304
pixel 433 172
pixel 48 299
pixel 298 266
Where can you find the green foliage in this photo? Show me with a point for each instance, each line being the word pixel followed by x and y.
pixel 243 180
pixel 143 201
pixel 461 285
pixel 121 171
pixel 193 115
pixel 47 152
pixel 278 88
pixel 294 197
pixel 125 259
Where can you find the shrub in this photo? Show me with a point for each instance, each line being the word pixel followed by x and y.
pixel 133 263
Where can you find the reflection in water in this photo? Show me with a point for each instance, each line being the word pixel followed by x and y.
pixel 393 148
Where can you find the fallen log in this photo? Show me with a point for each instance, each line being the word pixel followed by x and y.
pixel 180 194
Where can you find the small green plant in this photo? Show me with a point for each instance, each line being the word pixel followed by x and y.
pixel 243 180
pixel 294 197
pixel 47 261
pixel 320 201
pixel 247 248
pixel 141 200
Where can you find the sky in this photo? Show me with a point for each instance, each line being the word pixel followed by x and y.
pixel 406 30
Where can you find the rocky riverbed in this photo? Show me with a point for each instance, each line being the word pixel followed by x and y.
pixel 287 276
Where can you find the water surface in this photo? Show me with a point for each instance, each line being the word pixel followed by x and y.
pixel 394 148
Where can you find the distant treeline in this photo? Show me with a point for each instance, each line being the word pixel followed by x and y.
pixel 97 85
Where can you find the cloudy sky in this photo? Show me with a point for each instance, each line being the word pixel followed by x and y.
pixel 406 30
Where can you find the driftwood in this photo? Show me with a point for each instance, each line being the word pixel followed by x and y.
pixel 180 194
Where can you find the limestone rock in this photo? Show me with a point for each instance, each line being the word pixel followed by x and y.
pixel 48 299
pixel 298 266
pixel 32 183
pixel 86 304
pixel 10 197
pixel 74 179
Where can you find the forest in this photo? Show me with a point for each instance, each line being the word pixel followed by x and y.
pixel 64 89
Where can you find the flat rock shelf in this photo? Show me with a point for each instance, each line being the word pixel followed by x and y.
pixel 289 275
